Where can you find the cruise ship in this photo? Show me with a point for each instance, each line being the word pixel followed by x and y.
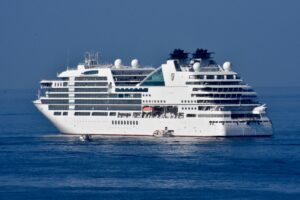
pixel 188 95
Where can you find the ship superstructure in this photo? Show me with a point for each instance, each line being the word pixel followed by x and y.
pixel 186 96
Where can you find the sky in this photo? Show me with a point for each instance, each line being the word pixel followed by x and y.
pixel 38 39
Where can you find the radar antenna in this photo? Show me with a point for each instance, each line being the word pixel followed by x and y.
pixel 91 58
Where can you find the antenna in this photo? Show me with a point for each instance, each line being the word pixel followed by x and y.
pixel 68 59
pixel 38 94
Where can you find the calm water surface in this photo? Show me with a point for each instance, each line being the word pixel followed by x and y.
pixel 38 163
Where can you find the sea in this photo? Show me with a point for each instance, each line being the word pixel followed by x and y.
pixel 36 162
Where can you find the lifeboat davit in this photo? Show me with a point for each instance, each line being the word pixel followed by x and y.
pixel 147 109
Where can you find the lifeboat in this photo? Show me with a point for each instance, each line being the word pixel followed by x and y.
pixel 147 109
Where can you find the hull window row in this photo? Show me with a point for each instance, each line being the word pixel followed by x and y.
pixel 58 107
pixel 91 83
pixel 120 122
pixel 213 83
pixel 248 115
pixel 191 115
pixel 126 84
pixel 93 114
pixel 213 115
pixel 242 101
pixel 99 114
pixel 108 101
pixel 130 78
pixel 90 90
pixel 226 108
pixel 92 107
pixel 60 113
pixel 220 77
pixel 208 89
pixel 108 95
pixel 81 101
pixel 223 95
pixel 96 78
pixel 131 72
pixel 54 101
pixel 131 89
pixel 58 95
pixel 82 113
pixel 58 90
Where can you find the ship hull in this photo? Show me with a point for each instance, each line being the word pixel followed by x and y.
pixel 188 127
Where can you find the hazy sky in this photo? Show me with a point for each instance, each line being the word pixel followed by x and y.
pixel 260 37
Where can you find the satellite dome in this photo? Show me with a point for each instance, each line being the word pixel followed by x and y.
pixel 196 66
pixel 227 66
pixel 118 63
pixel 135 63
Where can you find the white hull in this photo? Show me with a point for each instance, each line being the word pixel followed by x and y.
pixel 197 127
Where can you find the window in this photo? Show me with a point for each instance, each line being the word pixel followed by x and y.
pixel 58 89
pixel 156 78
pixel 112 114
pixel 131 72
pixel 229 76
pixel 82 114
pixel 54 101
pixel 58 95
pixel 190 115
pixel 105 107
pixel 131 89
pixel 58 107
pixel 90 89
pixel 210 77
pixel 95 78
pixel 220 76
pixel 99 113
pixel 90 72
pixel 108 101
pixel 196 76
pixel 57 113
pixel 65 113
pixel 90 83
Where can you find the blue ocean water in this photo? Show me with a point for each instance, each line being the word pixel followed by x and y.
pixel 38 163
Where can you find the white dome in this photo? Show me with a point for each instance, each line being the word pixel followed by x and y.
pixel 227 66
pixel 118 63
pixel 135 63
pixel 196 66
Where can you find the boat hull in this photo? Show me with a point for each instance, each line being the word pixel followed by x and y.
pixel 127 126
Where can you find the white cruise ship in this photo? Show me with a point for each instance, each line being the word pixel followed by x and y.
pixel 189 95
